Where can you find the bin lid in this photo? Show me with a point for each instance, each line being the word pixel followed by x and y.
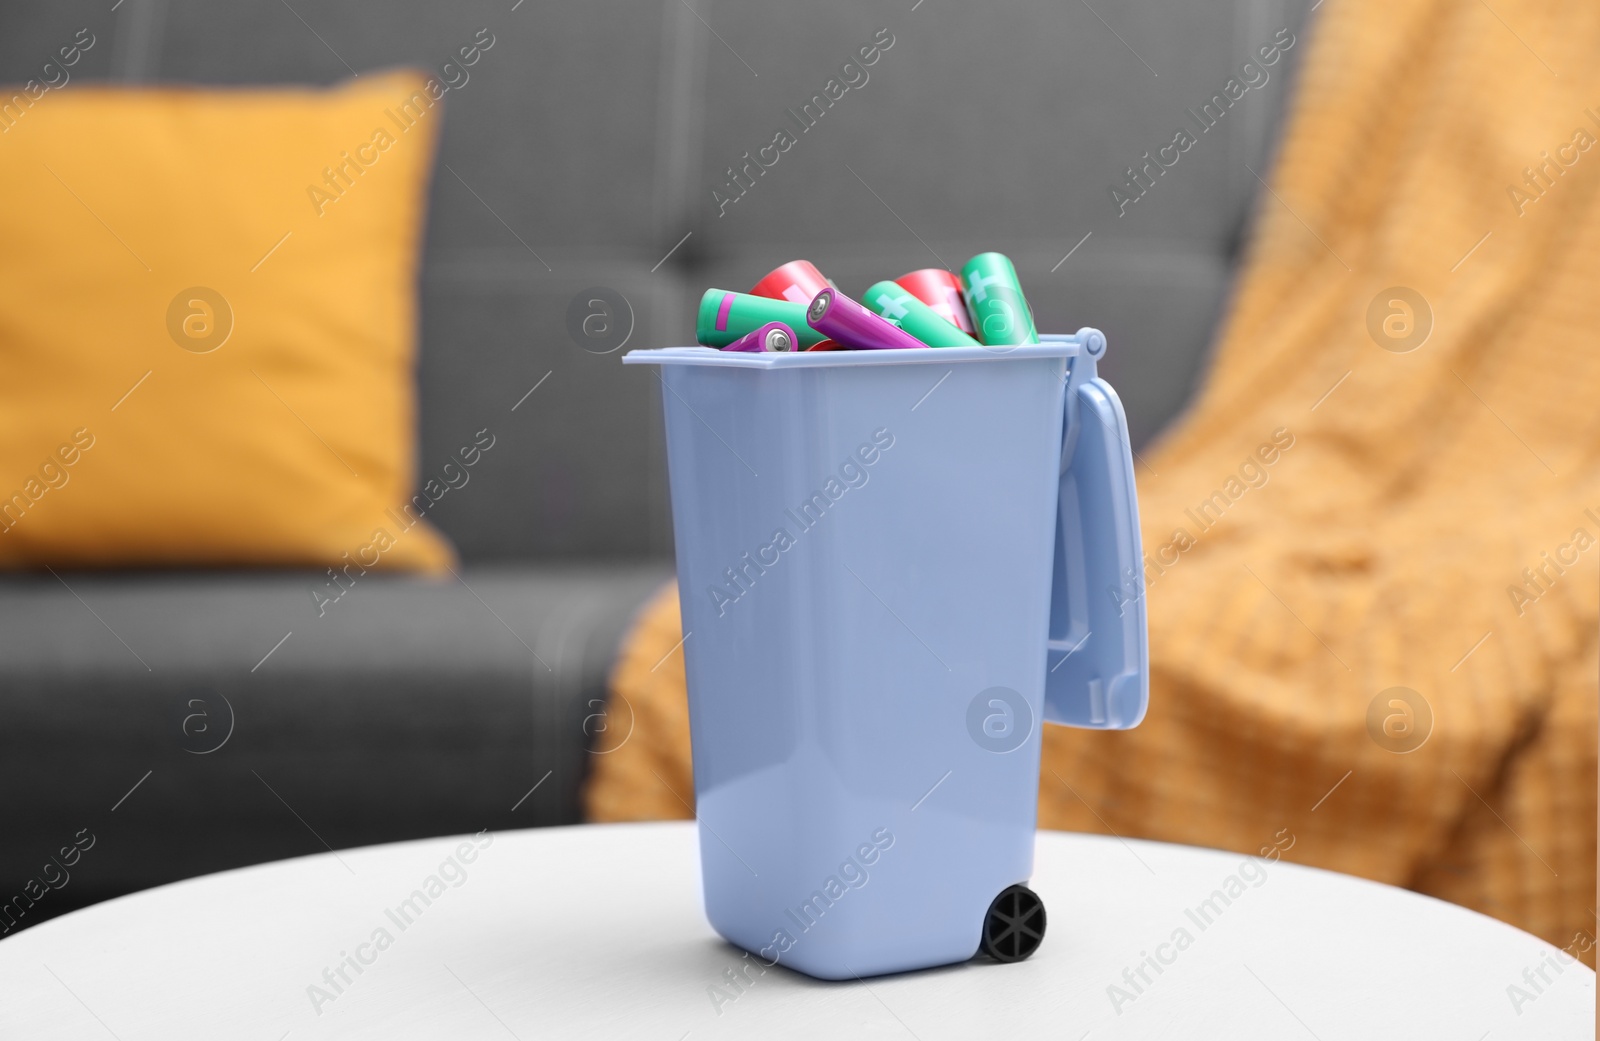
pixel 1098 662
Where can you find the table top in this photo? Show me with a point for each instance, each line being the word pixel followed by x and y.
pixel 598 932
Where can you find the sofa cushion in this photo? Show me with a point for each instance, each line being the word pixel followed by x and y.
pixel 263 728
pixel 230 401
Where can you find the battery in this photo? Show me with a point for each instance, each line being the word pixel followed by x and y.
pixel 940 290
pixel 994 298
pixel 897 305
pixel 725 316
pixel 797 282
pixel 836 316
pixel 774 336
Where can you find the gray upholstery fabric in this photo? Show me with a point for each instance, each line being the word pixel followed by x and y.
pixel 409 707
pixel 594 134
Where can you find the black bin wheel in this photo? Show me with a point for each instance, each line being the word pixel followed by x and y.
pixel 1014 926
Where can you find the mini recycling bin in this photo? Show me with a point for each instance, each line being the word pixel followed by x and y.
pixel 894 566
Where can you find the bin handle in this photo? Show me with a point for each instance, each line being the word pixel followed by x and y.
pixel 1098 655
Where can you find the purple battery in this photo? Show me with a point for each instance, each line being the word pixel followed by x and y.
pixel 840 318
pixel 774 336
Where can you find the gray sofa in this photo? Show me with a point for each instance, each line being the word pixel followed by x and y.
pixel 600 135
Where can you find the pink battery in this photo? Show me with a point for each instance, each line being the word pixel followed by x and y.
pixel 798 282
pixel 940 290
pixel 840 318
pixel 774 336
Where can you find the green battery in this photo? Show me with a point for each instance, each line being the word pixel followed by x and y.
pixel 994 297
pixel 725 316
pixel 914 316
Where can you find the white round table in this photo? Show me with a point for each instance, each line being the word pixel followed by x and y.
pixel 597 932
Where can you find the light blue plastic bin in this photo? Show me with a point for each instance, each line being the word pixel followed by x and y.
pixel 893 565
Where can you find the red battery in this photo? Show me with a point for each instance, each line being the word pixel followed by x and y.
pixel 797 282
pixel 940 290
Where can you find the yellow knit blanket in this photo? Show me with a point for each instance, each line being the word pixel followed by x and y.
pixel 1417 319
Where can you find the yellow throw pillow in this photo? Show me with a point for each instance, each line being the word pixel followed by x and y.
pixel 208 326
